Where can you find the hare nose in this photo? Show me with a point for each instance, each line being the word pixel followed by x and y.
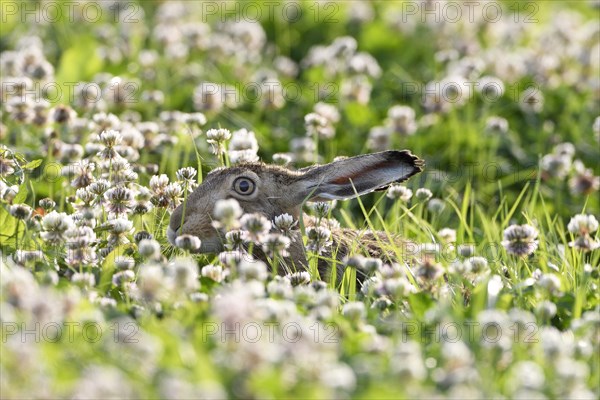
pixel 171 235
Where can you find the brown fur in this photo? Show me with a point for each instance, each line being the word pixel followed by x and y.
pixel 280 190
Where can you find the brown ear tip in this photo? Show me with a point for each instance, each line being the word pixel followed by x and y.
pixel 409 158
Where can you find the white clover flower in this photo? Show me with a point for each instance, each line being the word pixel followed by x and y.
pixel 546 309
pixel 214 272
pixel 123 277
pixel 227 212
pixel 436 205
pixel 120 226
pixel 173 193
pixel 564 149
pixel 280 288
pixel 490 87
pixel 236 239
pixel 423 194
pixel 356 261
pixel 124 262
pixel 299 278
pixel 379 138
pixel 572 373
pixel 98 187
pixel 24 257
pixel 550 282
pixel 118 229
pixel 407 361
pixel 120 200
pixel 303 149
pixel 477 265
pixel 531 100
pixel 327 111
pixel 339 376
pixel 496 125
pixel 447 235
pixel 188 242
pixel 320 209
pixel 84 279
pixel 158 183
pixel 398 288
pixel 354 310
pixel 466 250
pixel 276 244
pixel 555 165
pixel 231 258
pixel 54 226
pixel 285 223
pixel 399 192
pixel 528 375
pixel 317 125
pixel 584 182
pixel 20 211
pixel 428 270
pixel 401 120
pixel 80 236
pixel 583 224
pixel 520 240
pixel 187 175
pixel 110 139
pixel 185 274
pixel 282 158
pixel 243 139
pixel 253 270
pixel 151 283
pixel 242 156
pixel 47 204
pixel 149 248
pixel 319 239
pixel 217 138
pixel 257 225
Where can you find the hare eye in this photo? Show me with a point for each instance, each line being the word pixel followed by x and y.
pixel 244 186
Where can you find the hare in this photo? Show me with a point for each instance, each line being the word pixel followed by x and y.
pixel 274 190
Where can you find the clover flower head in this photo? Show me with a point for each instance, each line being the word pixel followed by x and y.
pixel 520 240
pixel 354 310
pixel 149 248
pixel 54 226
pixel 583 224
pixel 257 225
pixel 188 242
pixel 185 274
pixel 214 272
pixel 227 212
pixel 252 270
pixel 319 239
pixel 399 192
pixel 428 270
pixel 447 235
pixel 122 277
pixel 299 278
pixel 20 211
pixel 186 174
pixel 496 124
pixel 276 244
pixel 423 194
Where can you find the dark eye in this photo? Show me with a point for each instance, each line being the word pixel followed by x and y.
pixel 244 186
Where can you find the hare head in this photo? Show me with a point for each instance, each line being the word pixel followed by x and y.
pixel 274 190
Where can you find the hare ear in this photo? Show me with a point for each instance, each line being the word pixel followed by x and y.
pixel 352 177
